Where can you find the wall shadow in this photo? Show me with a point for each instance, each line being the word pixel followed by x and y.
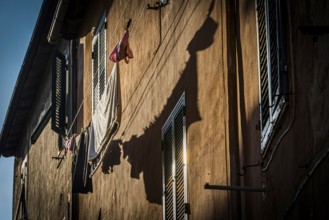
pixel 144 152
pixel 112 156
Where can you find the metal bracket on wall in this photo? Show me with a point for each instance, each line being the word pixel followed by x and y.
pixel 234 188
pixel 58 158
pixel 244 168
pixel 157 5
pixel 128 24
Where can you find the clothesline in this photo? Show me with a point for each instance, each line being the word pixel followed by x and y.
pixel 136 109
pixel 113 33
pixel 103 127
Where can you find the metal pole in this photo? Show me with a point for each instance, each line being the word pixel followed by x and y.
pixel 234 188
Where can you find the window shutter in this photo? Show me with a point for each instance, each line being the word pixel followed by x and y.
pixel 168 173
pixel 99 63
pixel 174 167
pixel 272 76
pixel 179 164
pixel 95 72
pixel 274 52
pixel 58 92
pixel 102 60
pixel 262 38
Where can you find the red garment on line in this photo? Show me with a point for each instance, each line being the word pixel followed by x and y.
pixel 122 50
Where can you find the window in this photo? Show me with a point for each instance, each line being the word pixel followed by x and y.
pixel 272 69
pixel 21 211
pixel 99 62
pixel 174 164
pixel 58 92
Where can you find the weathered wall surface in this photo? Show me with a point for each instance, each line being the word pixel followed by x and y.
pixel 179 53
pixel 304 143
pixel 208 51
pixel 48 180
pixel 247 98
pixel 300 139
pixel 301 135
pixel 16 184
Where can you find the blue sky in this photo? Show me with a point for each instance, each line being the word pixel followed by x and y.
pixel 17 21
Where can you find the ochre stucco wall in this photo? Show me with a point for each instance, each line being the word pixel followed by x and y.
pixel 183 54
pixel 208 51
pixel 48 182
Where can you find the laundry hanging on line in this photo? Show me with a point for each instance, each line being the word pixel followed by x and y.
pixel 69 143
pixel 105 122
pixel 81 181
pixel 122 50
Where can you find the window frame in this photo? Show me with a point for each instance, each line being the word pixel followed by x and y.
pixel 96 40
pixel 170 124
pixel 277 101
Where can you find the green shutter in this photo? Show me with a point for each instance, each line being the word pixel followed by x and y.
pixel 58 92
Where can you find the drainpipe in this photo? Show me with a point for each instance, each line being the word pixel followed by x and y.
pixel 56 24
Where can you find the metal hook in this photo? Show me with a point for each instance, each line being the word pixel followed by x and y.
pixel 128 24
pixel 157 5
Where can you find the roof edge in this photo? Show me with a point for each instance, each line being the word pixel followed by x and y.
pixel 45 14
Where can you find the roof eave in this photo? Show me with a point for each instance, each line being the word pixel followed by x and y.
pixel 42 25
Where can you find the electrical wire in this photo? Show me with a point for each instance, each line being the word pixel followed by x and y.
pixel 145 91
pixel 88 89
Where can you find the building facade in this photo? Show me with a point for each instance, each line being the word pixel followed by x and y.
pixel 172 110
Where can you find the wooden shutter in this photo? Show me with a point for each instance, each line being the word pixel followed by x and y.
pixel 99 63
pixel 174 167
pixel 58 92
pixel 273 52
pixel 168 173
pixel 95 56
pixel 272 65
pixel 179 164
pixel 102 60
pixel 262 41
